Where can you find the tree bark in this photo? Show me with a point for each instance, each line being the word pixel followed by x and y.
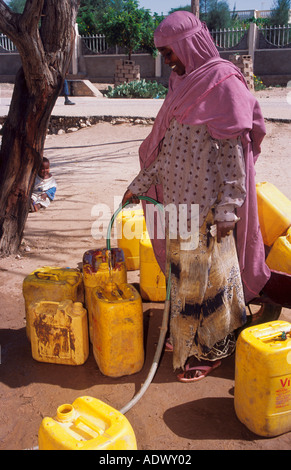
pixel 44 36
pixel 195 7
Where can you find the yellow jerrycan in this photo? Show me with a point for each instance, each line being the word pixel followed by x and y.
pixel 52 283
pixel 152 278
pixel 262 395
pixel 118 329
pixel 86 424
pixel 130 227
pixel 98 267
pixel 274 210
pixel 59 332
pixel 279 257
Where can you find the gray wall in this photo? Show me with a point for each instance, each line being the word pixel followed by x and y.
pixel 101 67
pixel 9 64
pixel 273 66
pixel 270 62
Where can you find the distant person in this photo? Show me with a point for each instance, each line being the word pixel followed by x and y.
pixel 66 94
pixel 44 188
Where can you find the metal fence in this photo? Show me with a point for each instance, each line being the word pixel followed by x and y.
pixel 6 43
pixel 228 38
pixel 95 43
pixel 224 38
pixel 280 36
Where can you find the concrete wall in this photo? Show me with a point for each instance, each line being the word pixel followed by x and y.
pixel 9 65
pixel 271 65
pixel 102 67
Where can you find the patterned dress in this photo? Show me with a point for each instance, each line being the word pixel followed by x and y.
pixel 207 301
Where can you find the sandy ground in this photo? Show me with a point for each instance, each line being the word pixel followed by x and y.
pixel 93 166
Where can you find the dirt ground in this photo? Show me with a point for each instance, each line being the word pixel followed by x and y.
pixel 92 166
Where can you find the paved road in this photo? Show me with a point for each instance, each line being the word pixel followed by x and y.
pixel 273 108
pixel 91 106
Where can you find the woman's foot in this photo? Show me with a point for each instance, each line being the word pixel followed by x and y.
pixel 168 345
pixel 198 372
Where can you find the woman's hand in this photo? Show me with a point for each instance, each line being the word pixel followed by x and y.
pixel 224 229
pixel 130 197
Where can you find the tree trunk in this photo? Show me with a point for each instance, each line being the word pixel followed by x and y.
pixel 45 53
pixel 21 155
pixel 195 7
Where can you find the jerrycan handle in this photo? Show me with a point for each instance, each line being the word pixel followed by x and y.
pixel 278 334
pixel 86 422
pixel 46 275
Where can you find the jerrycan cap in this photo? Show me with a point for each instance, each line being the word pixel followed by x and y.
pixel 112 289
pixel 110 286
pixel 78 307
pixel 65 412
pixel 103 266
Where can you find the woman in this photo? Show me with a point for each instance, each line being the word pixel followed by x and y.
pixel 202 150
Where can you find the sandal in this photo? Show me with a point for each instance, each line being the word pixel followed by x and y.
pixel 188 376
pixel 168 346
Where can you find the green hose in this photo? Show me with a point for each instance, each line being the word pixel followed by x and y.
pixel 144 198
pixel 120 208
pixel 164 327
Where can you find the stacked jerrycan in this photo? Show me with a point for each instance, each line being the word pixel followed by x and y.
pixel 152 279
pixel 135 242
pixel 117 329
pixel 115 313
pixel 56 321
pixel 130 228
pixel 59 332
pixel 274 210
pixel 100 266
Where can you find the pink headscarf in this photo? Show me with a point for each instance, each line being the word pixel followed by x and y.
pixel 212 92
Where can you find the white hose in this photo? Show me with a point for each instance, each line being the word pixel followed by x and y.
pixel 155 363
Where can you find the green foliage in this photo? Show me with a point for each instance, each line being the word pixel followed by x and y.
pixel 90 12
pixel 186 8
pixel 258 84
pixel 219 16
pixel 257 21
pixel 280 13
pixel 16 5
pixel 129 27
pixel 138 89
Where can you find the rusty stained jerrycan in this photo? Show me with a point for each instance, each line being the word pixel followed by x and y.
pixel 52 283
pixel 118 329
pixel 86 424
pixel 130 227
pixel 99 266
pixel 262 395
pixel 59 332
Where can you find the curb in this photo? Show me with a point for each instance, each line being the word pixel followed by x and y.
pixel 68 124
